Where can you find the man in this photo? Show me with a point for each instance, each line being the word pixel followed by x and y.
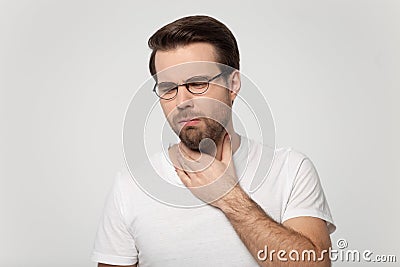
pixel 287 215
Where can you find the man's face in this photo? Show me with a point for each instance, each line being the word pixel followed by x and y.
pixel 194 117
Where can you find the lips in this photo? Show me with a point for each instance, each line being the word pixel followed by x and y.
pixel 189 121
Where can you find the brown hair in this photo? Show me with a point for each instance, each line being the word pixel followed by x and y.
pixel 195 29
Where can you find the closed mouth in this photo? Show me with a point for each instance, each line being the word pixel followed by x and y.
pixel 189 121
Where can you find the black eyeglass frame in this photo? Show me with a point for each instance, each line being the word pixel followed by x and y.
pixel 187 85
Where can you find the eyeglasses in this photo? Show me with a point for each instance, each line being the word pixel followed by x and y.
pixel 196 85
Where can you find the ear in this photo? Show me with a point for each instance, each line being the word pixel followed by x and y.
pixel 235 84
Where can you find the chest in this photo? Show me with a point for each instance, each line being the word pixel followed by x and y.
pixel 168 236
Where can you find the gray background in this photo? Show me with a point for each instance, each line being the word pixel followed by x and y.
pixel 68 69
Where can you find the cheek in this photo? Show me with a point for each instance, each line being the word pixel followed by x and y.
pixel 223 94
pixel 170 111
pixel 224 98
pixel 218 93
pixel 166 109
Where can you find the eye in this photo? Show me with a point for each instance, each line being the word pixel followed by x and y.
pixel 198 85
pixel 197 82
pixel 165 88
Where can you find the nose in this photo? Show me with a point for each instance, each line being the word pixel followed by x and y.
pixel 183 98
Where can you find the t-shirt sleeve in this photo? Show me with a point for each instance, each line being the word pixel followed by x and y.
pixel 114 244
pixel 307 197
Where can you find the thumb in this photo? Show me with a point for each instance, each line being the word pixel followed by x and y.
pixel 226 156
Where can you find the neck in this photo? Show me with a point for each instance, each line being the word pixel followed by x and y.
pixel 235 141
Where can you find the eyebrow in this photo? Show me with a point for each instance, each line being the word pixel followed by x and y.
pixel 188 79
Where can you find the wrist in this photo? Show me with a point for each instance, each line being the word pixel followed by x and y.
pixel 235 201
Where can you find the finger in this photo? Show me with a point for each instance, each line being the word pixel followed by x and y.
pixel 187 165
pixel 226 150
pixel 188 152
pixel 173 152
pixel 196 166
pixel 184 177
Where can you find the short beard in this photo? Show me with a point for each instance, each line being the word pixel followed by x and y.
pixel 191 136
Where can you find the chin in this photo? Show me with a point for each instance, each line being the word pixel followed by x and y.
pixel 191 137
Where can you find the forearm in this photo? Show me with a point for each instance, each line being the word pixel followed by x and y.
pixel 259 231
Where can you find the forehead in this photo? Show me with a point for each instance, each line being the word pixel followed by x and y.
pixel 186 61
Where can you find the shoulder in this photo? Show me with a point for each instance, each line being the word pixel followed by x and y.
pixel 127 193
pixel 296 171
pixel 287 166
pixel 278 157
pixel 281 155
pixel 290 158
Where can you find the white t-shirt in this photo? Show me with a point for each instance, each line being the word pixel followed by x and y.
pixel 136 228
